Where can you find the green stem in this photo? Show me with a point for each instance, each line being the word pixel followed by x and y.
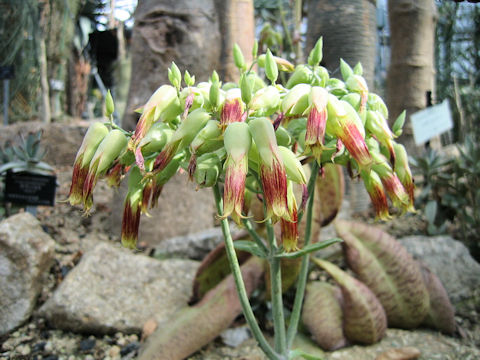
pixel 258 240
pixel 302 277
pixel 240 285
pixel 276 294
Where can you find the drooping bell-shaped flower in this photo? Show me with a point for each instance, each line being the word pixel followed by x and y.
pixel 358 84
pixel 163 104
pixel 182 137
pixel 394 188
pixel 377 194
pixel 162 177
pixel 344 123
pixel 377 125
pixel 132 209
pixel 317 121
pixel 271 168
pixel 107 152
pixel 289 228
pixel 293 167
pixel 403 170
pixel 232 109
pixel 296 100
pixel 92 139
pixel 237 140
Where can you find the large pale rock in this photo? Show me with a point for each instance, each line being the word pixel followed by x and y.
pixel 112 289
pixel 452 263
pixel 26 254
pixel 61 140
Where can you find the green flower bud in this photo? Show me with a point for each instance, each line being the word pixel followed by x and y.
pixel 246 87
pixel 295 102
pixel 109 105
pixel 283 64
pixel 255 49
pixel 345 69
pixel 238 58
pixel 302 75
pixel 353 99
pixel 156 138
pixel 208 139
pixel 316 54
pixel 397 127
pixel 265 101
pixel 321 76
pixel 214 78
pixel 208 169
pixel 189 80
pixel 376 103
pixel 336 87
pixel 271 68
pixel 358 69
pixel 283 136
pixel 174 75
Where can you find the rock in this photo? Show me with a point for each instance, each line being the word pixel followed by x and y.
pixel 181 211
pixel 61 140
pixel 192 246
pixel 26 255
pixel 404 353
pixel 432 345
pixel 452 263
pixel 111 289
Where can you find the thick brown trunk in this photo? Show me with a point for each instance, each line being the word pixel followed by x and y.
pixel 411 73
pixel 182 31
pixel 237 26
pixel 349 31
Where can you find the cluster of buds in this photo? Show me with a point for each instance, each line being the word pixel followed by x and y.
pixel 253 138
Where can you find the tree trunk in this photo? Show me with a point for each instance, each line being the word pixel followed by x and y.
pixel 182 31
pixel 411 73
pixel 237 26
pixel 349 31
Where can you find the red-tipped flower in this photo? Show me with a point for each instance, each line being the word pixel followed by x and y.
pixel 394 188
pixel 107 152
pixel 377 194
pixel 290 227
pixel 132 209
pixel 344 123
pixel 317 121
pixel 94 136
pixel 237 142
pixel 403 170
pixel 233 107
pixel 272 170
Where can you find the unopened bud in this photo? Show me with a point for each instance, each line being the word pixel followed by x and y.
pixel 302 75
pixel 174 75
pixel 271 68
pixel 265 101
pixel 345 69
pixel 109 105
pixel 316 54
pixel 238 58
pixel 295 102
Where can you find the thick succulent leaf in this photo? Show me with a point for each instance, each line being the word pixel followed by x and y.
pixel 322 315
pixel 364 319
pixel 195 326
pixel 330 188
pixel 441 315
pixel 213 269
pixel 385 266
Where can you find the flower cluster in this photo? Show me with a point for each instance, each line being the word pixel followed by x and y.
pixel 253 138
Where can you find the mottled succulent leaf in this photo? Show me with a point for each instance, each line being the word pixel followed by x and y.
pixel 213 269
pixel 386 267
pixel 365 320
pixel 322 315
pixel 330 188
pixel 442 314
pixel 193 327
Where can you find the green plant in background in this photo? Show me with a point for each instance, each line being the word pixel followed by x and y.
pixel 449 192
pixel 27 156
pixel 248 141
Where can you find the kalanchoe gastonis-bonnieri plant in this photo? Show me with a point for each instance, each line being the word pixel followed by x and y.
pixel 253 140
